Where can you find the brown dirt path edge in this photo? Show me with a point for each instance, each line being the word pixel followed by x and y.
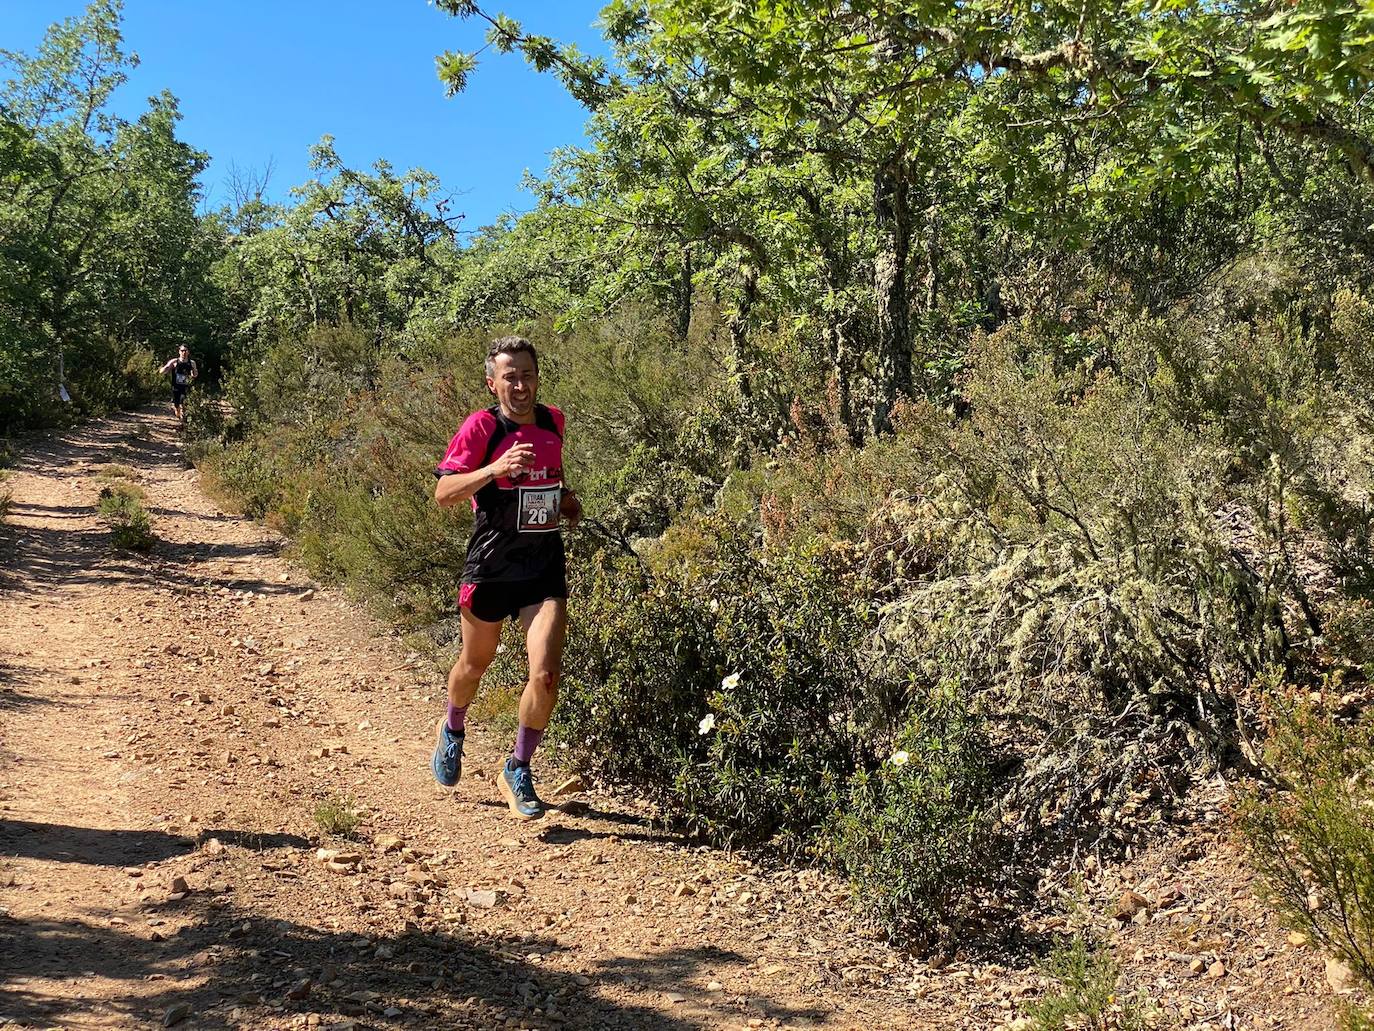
pixel 169 722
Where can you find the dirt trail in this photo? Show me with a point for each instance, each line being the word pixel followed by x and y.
pixel 182 714
pixel 169 723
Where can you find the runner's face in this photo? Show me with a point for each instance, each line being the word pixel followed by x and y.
pixel 515 383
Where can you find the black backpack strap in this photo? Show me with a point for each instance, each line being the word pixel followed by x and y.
pixel 543 418
pixel 497 435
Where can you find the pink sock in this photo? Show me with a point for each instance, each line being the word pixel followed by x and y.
pixel 526 741
pixel 457 717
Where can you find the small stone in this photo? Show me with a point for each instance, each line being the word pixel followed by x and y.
pixel 1297 939
pixel 306 595
pixel 300 990
pixel 683 891
pixel 674 997
pixel 176 1014
pixel 571 786
pixel 388 842
pixel 487 899
pixel 385 952
pixel 1130 904
pixel 179 886
pixel 1339 976
pixel 214 847
pixel 1216 970
pixel 714 986
pixel 1197 966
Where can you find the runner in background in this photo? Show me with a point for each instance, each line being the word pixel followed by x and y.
pixel 183 370
pixel 508 461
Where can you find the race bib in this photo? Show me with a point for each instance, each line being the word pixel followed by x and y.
pixel 538 511
pixel 183 380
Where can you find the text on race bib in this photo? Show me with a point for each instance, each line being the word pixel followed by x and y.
pixel 538 510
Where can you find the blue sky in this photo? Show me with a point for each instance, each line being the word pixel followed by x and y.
pixel 260 81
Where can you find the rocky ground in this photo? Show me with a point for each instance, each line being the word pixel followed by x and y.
pixel 176 727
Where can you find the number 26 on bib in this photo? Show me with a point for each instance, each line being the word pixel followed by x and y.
pixel 538 511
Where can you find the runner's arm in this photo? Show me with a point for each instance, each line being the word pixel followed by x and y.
pixel 195 369
pixel 167 368
pixel 454 487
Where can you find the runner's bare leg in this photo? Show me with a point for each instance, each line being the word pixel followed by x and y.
pixel 480 640
pixel 546 627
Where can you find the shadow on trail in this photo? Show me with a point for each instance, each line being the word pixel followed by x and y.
pixel 44 557
pixel 14 679
pixel 460 977
pixel 129 439
pixel 25 839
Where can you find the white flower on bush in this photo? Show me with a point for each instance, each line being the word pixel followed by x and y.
pixel 707 724
pixel 900 758
pixel 731 682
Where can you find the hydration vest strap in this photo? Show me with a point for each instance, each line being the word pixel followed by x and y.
pixel 543 418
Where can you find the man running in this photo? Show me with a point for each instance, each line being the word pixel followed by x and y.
pixel 508 460
pixel 183 370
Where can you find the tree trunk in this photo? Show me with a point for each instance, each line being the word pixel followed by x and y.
pixel 739 365
pixel 844 364
pixel 684 295
pixel 892 216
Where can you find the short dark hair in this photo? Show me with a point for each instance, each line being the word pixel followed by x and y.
pixel 509 345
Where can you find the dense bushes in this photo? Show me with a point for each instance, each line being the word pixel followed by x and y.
pixel 1047 604
pixel 1312 837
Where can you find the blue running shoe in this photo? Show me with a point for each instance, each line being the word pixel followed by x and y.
pixel 518 787
pixel 448 755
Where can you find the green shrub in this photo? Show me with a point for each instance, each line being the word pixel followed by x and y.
pixel 121 506
pixel 337 815
pixel 1085 994
pixel 1313 840
pixel 916 836
pixel 119 496
pixel 115 471
pixel 721 679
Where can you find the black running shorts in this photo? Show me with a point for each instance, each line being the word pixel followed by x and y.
pixel 494 601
